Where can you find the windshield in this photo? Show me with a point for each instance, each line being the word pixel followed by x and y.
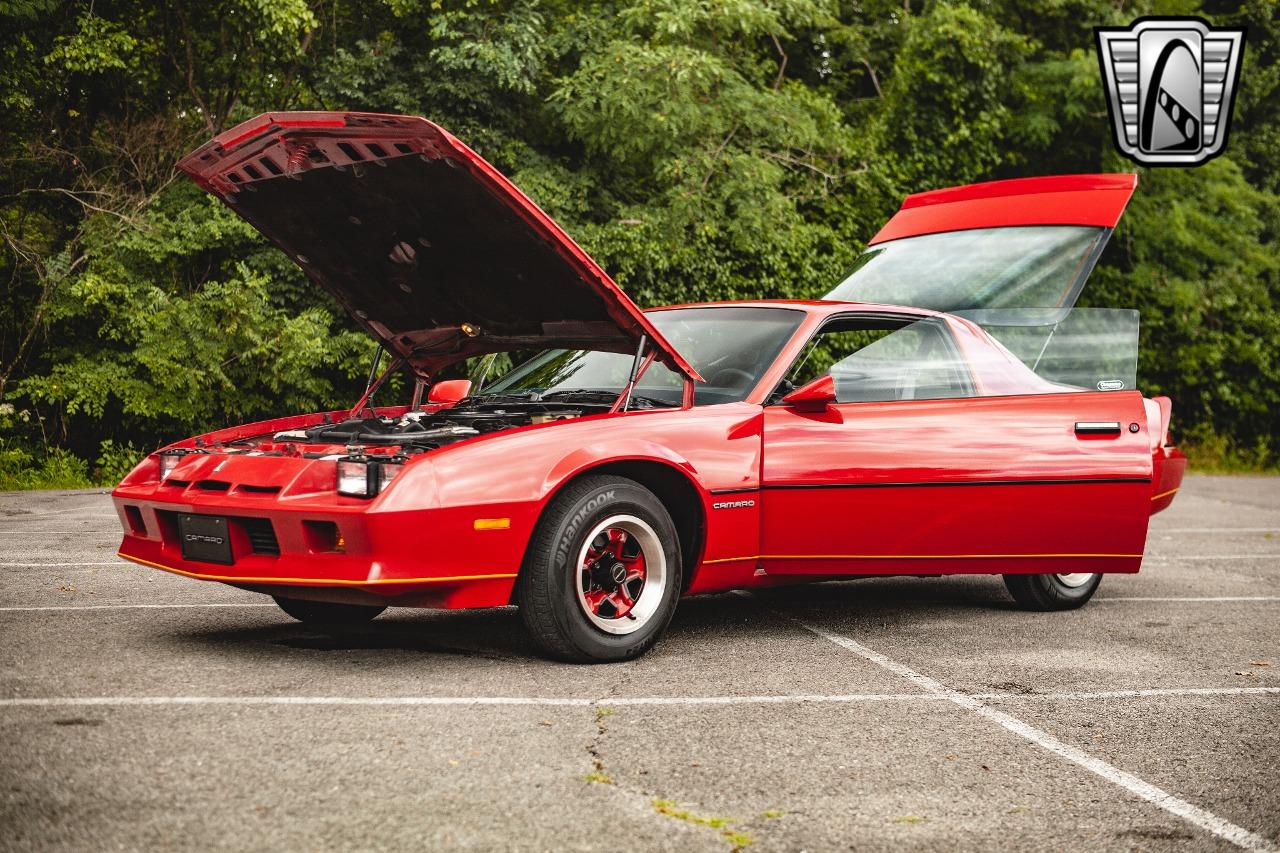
pixel 731 347
pixel 1041 266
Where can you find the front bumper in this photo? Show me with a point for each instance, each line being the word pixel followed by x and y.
pixel 338 549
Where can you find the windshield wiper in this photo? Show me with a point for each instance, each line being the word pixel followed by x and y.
pixel 609 395
pixel 522 396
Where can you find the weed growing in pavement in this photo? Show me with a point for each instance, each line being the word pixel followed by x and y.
pixel 598 775
pixel 736 838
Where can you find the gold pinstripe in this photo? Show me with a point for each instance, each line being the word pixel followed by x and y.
pixel 311 581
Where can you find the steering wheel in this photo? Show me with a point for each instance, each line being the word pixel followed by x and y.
pixel 743 379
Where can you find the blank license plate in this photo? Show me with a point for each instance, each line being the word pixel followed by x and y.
pixel 205 538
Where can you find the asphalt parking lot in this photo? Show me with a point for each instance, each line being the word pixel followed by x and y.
pixel 140 709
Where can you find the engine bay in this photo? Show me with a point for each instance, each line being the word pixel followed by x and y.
pixel 421 430
pixel 427 430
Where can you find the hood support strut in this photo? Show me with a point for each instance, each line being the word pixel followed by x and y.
pixel 374 386
pixel 373 368
pixel 638 368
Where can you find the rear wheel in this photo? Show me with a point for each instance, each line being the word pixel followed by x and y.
pixel 602 576
pixel 1052 592
pixel 326 613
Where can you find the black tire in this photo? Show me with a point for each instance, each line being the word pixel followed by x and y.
pixel 547 591
pixel 327 614
pixel 1047 592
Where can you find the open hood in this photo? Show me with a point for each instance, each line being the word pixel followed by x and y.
pixel 427 245
pixel 1024 243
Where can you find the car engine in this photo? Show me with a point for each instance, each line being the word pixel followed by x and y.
pixel 423 430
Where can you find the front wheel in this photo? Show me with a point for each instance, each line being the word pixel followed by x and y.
pixel 1052 592
pixel 327 614
pixel 602 576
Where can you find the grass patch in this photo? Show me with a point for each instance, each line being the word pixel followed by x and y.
pixel 1216 454
pixel 25 469
pixel 598 777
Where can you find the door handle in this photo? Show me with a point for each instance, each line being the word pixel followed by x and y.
pixel 1097 427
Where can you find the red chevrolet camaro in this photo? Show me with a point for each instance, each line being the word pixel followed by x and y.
pixel 946 410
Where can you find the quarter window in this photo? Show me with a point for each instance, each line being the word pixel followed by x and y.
pixel 884 358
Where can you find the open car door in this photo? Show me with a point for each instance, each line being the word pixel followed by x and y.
pixel 943 452
pixel 1008 440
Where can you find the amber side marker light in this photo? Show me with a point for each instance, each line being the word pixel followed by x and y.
pixel 323 537
pixel 492 523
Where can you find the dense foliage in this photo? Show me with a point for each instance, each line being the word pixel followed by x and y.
pixel 698 148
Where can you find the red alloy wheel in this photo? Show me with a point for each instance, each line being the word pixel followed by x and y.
pixel 621 574
pixel 613 574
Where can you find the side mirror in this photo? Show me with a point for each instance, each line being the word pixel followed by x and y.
pixel 449 391
pixel 814 397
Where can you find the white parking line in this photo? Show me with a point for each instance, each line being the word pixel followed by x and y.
pixel 1147 557
pixel 572 702
pixel 1192 598
pixel 1220 827
pixel 1193 557
pixel 59 565
pixel 85 512
pixel 124 607
pixel 1133 694
pixel 197 606
pixel 619 701
pixel 1214 530
pixel 1263 556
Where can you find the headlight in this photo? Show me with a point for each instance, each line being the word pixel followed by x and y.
pixel 357 477
pixel 388 469
pixel 169 460
pixel 363 476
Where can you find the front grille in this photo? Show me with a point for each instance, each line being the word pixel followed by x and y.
pixel 262 536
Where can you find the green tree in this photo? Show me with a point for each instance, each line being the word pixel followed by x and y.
pixel 700 149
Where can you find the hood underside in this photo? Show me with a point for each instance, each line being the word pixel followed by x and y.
pixel 423 242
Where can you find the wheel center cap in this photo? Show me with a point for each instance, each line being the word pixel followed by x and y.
pixel 618 572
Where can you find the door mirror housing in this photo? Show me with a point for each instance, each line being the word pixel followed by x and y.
pixel 814 397
pixel 449 391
